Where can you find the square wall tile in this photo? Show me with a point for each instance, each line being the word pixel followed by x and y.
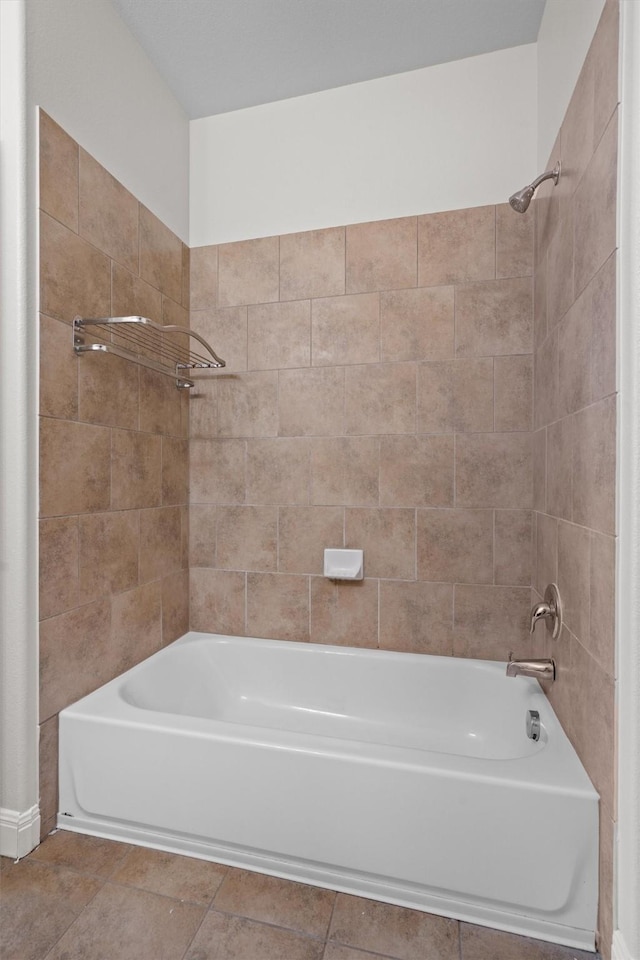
pixel 225 330
pixel 176 315
pixel 58 371
pixel 312 264
pixel 203 409
pixel 67 672
pixel 574 569
pixel 416 617
pixel 546 567
pixel 136 470
pixel 594 466
pixel 473 393
pixel 58 554
pixel 344 470
pixel 203 520
pixel 108 213
pixel 108 553
pixel 455 546
pixel 279 335
pixel 311 402
pixel 380 398
pixel 303 535
pixel 48 781
pixel 217 601
pixel 344 613
pixel 58 173
pixel 560 268
pixel 75 467
pixel 248 404
pixel 278 606
pixel 513 393
pixel 248 271
pixel 416 471
pixel 574 357
pixel 545 382
pixel 203 268
pixel 435 397
pixel 75 278
pixel 136 624
pixel 494 470
pixel 217 471
pixel 108 390
pixel 160 542
pixel 513 547
pixel 602 593
pixel 247 538
pixel 595 208
pixel 160 404
pixel 417 324
pixel 388 538
pixel 456 246
pixel 382 255
pixel 345 330
pixel 133 297
pixel 175 606
pixel 604 57
pixel 540 470
pixel 160 255
pixel 514 242
pixel 489 622
pixel 494 318
pixel 175 470
pixel 278 471
pixel 602 290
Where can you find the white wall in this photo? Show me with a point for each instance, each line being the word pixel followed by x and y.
pixel 566 32
pixel 89 73
pixel 455 135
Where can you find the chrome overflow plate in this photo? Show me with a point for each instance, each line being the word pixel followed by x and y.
pixel 533 724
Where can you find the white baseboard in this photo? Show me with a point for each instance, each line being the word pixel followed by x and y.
pixel 19 832
pixel 619 949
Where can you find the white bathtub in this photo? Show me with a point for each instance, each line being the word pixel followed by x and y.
pixel 401 777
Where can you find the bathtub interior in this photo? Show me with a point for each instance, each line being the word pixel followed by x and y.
pixel 404 700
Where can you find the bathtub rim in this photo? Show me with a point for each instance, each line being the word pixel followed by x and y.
pixel 555 766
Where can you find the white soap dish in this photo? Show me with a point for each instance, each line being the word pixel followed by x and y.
pixel 343 564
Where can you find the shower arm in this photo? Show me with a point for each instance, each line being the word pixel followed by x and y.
pixel 550 174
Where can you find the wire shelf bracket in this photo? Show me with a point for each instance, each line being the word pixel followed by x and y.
pixel 149 344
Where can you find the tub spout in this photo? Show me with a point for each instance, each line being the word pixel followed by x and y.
pixel 540 669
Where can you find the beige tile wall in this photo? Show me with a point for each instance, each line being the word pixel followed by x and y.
pixel 378 394
pixel 575 421
pixel 114 444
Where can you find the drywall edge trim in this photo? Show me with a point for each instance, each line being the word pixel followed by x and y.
pixel 18 450
pixel 627 919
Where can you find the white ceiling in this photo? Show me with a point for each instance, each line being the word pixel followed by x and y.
pixel 222 55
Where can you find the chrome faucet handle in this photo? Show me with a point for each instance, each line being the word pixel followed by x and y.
pixel 550 610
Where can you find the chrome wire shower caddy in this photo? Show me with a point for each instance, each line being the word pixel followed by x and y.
pixel 149 344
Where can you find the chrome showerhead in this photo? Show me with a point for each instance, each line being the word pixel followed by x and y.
pixel 520 201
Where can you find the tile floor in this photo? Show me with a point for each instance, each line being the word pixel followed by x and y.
pixel 82 898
